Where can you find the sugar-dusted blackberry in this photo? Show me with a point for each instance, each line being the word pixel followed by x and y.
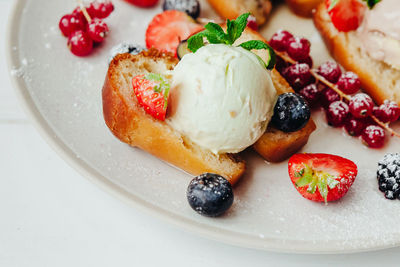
pixel 191 7
pixel 388 175
pixel 210 194
pixel 125 48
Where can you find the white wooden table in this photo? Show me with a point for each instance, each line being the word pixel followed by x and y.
pixel 51 216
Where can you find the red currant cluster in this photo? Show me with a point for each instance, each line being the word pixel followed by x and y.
pixel 335 91
pixel 84 27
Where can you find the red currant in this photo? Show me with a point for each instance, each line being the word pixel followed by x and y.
pixel 389 111
pixel 349 83
pixel 280 40
pixel 374 136
pixel 252 23
pixel 328 96
pixel 311 94
pixel 77 11
pixel 337 113
pixel 299 48
pixel 100 9
pixel 298 75
pixel 330 70
pixel 97 30
pixel 80 43
pixel 308 61
pixel 71 23
pixel 361 105
pixel 355 127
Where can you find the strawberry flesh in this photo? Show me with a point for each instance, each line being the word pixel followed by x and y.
pixel 321 177
pixel 346 15
pixel 168 29
pixel 153 102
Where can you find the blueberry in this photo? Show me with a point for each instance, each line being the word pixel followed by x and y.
pixel 125 48
pixel 191 7
pixel 291 113
pixel 210 194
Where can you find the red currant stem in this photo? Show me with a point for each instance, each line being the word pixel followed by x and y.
pixel 342 95
pixel 84 11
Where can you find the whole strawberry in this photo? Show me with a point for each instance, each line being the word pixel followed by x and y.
pixel 321 177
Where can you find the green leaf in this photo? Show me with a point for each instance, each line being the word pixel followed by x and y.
pixel 312 187
pixel 323 188
pixel 196 41
pixel 371 3
pixel 333 4
pixel 215 31
pixel 257 44
pixel 236 27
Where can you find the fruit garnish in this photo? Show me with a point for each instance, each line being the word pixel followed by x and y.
pixel 291 113
pixel 210 194
pixel 216 35
pixel 152 92
pixel 190 7
pixel 252 23
pixel 321 177
pixel 124 47
pixel 85 26
pixel 143 3
pixel 182 49
pixel 326 85
pixel 388 175
pixel 346 15
pixel 371 3
pixel 167 29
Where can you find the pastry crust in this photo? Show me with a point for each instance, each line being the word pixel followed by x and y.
pixel 378 79
pixel 303 7
pixel 231 9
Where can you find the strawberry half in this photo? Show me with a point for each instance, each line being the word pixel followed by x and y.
pixel 321 177
pixel 168 29
pixel 346 15
pixel 152 91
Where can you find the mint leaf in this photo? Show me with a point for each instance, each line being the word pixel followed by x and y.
pixel 323 189
pixel 236 27
pixel 306 175
pixel 333 4
pixel 257 44
pixel 371 3
pixel 215 32
pixel 196 41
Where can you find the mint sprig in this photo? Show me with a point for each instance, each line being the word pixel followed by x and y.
pixel 162 86
pixel 214 34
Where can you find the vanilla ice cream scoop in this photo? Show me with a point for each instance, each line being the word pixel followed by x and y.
pixel 222 98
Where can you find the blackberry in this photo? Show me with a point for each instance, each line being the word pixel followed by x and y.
pixel 389 175
pixel 125 48
pixel 191 7
pixel 210 194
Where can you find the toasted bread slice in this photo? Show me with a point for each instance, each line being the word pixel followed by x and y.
pixel 231 9
pixel 129 122
pixel 303 7
pixel 378 79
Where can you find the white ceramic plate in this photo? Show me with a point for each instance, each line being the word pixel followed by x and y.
pixel 62 94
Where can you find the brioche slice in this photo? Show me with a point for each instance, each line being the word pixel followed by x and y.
pixel 129 122
pixel 378 79
pixel 231 9
pixel 303 7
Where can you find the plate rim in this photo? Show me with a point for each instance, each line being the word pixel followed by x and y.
pixel 200 229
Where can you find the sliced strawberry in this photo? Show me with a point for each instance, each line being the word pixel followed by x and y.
pixel 152 91
pixel 321 177
pixel 346 15
pixel 167 29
